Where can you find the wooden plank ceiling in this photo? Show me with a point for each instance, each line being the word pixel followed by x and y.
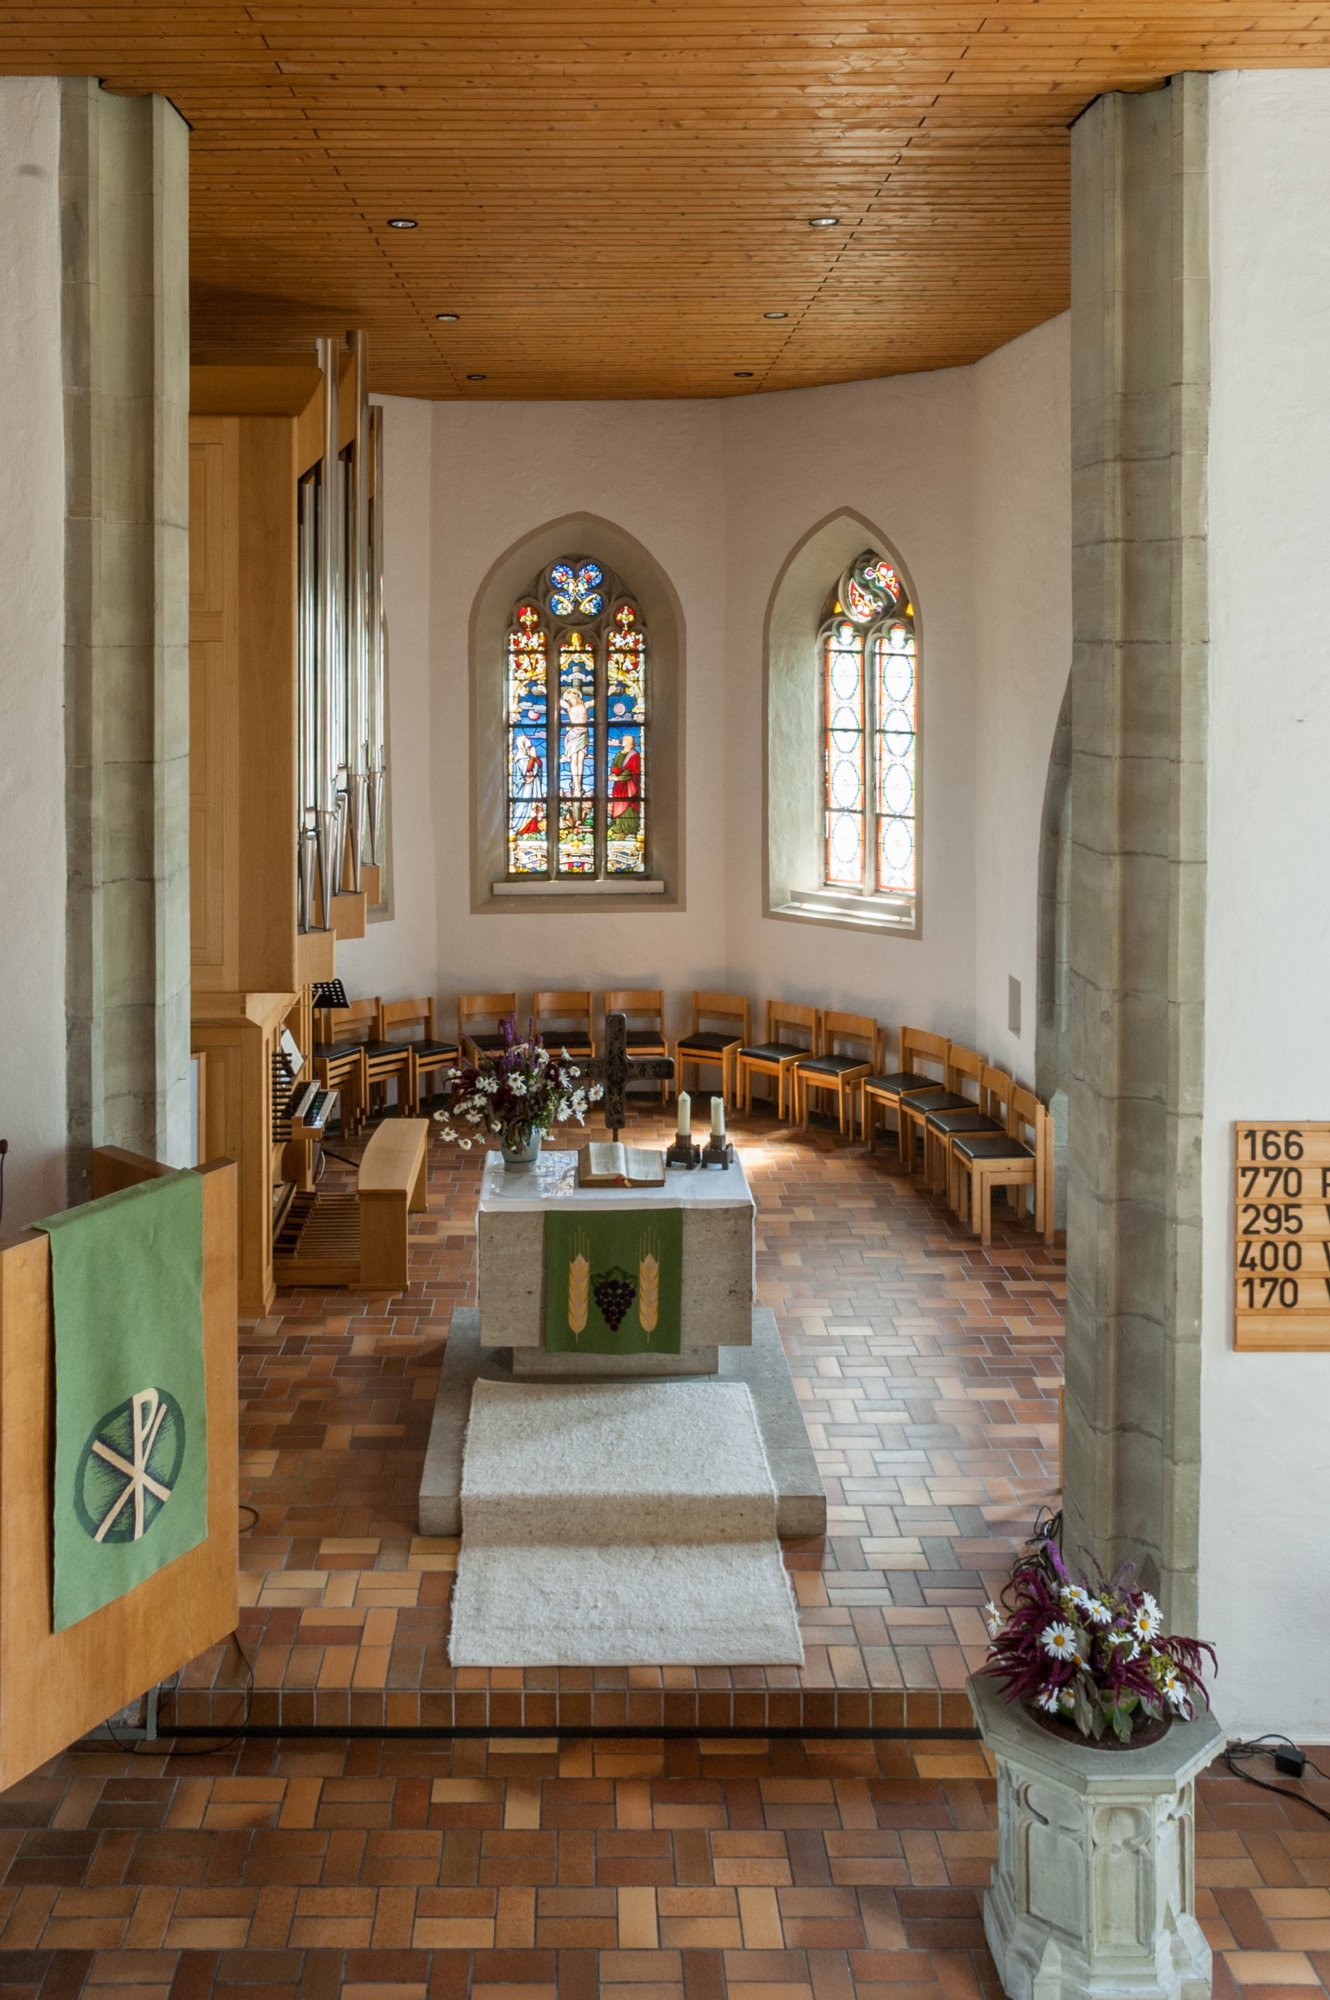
pixel 614 194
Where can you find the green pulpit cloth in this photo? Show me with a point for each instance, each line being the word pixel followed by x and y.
pixel 131 1434
pixel 613 1281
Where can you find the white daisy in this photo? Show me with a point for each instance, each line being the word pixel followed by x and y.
pixel 1175 1692
pixel 992 1618
pixel 1059 1641
pixel 1097 1611
pixel 1050 1700
pixel 465 1144
pixel 1147 1618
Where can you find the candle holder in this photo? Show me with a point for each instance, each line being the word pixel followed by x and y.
pixel 682 1152
pixel 717 1153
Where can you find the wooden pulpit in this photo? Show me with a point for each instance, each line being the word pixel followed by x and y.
pixel 55 1686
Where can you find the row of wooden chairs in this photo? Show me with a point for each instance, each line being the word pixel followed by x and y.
pixel 964 1125
pixel 563 1019
pixel 361 1048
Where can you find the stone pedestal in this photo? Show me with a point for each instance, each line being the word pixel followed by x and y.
pixel 718 1266
pixel 1093 1894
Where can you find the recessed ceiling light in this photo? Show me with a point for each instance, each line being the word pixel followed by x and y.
pixel 449 316
pixel 477 378
pixel 775 315
pixel 823 221
pixel 743 374
pixel 401 222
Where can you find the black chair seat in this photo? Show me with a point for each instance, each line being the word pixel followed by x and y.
pixel 948 1122
pixel 983 1146
pixel 337 1052
pixel 773 1052
pixel 486 1042
pixel 385 1051
pixel 570 1047
pixel 829 1065
pixel 898 1083
pixel 707 1042
pixel 646 1041
pixel 430 1049
pixel 936 1100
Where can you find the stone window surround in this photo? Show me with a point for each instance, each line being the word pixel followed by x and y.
pixel 506 580
pixel 792 750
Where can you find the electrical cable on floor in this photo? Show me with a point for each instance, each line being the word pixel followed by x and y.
pixel 1238 1754
pixel 163 1744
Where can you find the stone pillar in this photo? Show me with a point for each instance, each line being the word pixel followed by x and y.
pixel 125 352
pixel 1140 373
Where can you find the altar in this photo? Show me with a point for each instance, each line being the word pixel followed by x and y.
pixel 550 1279
pixel 715 1280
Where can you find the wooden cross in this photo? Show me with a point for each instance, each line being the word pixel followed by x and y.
pixel 616 1069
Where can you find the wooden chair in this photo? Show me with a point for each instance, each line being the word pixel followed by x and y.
pixel 643 1008
pixel 791 1033
pixel 563 1021
pixel 941 1127
pixel 428 1055
pixel 385 1062
pixel 703 1046
pixel 1023 1157
pixel 963 1066
pixel 837 1066
pixel 923 1066
pixel 474 1011
pixel 341 1037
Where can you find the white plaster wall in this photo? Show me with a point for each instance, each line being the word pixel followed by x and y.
pixel 32 760
pixel 964 471
pixel 900 453
pixel 399 954
pixel 1265 1473
pixel 1022 644
pixel 501 470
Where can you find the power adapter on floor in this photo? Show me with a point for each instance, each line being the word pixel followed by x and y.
pixel 1290 1762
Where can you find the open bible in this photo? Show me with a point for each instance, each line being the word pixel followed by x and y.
pixel 616 1165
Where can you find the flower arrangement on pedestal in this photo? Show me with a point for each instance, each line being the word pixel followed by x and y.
pixel 516 1094
pixel 1090 1652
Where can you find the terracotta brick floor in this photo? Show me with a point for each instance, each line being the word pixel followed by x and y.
pixel 536 1868
pixel 543 1870
pixel 928 1369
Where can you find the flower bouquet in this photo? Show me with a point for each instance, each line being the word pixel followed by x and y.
pixel 1090 1654
pixel 517 1094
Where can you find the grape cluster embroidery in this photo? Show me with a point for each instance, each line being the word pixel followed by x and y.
pixel 614 1292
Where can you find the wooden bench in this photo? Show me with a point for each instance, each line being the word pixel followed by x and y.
pixel 390 1185
pixel 360 1240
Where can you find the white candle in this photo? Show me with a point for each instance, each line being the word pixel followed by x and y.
pixel 718 1117
pixel 685 1115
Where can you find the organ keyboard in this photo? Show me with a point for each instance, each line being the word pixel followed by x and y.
pixel 309 1109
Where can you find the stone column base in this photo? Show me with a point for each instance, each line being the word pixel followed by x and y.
pixel 1093 1894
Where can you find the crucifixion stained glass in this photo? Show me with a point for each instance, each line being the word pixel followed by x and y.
pixel 577 727
pixel 870 722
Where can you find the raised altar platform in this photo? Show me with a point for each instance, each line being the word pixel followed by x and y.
pixel 618 1283
pixel 801 1503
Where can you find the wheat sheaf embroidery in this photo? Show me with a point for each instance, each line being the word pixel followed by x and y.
pixel 579 1286
pixel 648 1285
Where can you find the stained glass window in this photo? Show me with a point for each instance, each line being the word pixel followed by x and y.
pixel 577 686
pixel 870 731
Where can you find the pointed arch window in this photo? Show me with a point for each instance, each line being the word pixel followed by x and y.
pixel 869 663
pixel 578 727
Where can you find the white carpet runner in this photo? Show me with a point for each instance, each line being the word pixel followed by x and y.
pixel 619 1524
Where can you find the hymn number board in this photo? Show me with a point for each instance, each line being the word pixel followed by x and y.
pixel 1281 1275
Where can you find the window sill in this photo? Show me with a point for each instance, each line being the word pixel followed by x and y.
pixel 621 885
pixel 899 914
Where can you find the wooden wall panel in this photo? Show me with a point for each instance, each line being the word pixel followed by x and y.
pixel 54 1686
